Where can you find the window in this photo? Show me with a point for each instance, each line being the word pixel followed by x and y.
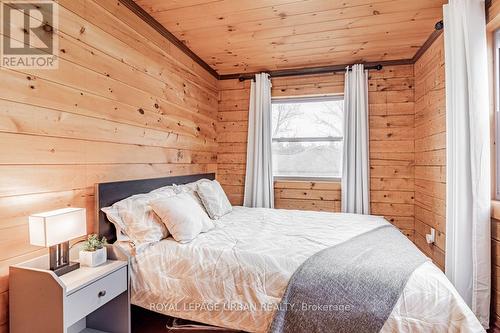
pixel 308 137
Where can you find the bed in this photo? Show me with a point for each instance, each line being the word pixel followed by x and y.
pixel 235 275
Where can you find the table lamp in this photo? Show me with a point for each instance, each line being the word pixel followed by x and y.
pixel 54 230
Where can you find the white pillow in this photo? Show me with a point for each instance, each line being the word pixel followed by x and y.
pixel 182 215
pixel 135 218
pixel 190 188
pixel 214 199
pixel 114 217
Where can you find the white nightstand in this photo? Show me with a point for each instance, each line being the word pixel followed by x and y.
pixel 88 300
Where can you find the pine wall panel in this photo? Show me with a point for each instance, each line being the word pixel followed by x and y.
pixel 391 116
pixel 124 104
pixel 314 195
pixel 430 151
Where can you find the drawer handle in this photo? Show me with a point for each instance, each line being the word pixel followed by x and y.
pixel 102 293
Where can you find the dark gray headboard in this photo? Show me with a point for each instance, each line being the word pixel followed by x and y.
pixel 109 193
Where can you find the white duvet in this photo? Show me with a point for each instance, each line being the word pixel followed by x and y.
pixel 234 275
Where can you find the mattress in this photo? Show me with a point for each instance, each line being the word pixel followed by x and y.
pixel 235 275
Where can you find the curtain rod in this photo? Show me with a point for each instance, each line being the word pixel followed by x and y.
pixel 301 71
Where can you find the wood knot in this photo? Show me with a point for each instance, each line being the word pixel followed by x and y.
pixel 141 111
pixel 47 28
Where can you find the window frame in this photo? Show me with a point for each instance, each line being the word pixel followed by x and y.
pixel 305 99
pixel 496 50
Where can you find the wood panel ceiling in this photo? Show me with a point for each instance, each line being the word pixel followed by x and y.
pixel 239 36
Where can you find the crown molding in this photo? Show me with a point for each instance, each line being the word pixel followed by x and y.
pixel 430 40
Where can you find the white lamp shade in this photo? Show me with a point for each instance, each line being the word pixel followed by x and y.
pixel 57 226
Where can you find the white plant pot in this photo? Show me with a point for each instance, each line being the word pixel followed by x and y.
pixel 93 258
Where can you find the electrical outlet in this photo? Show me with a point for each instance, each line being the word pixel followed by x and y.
pixel 431 237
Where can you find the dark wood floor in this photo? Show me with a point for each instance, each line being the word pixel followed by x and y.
pixel 144 321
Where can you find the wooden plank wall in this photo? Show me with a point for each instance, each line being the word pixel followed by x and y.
pixel 391 143
pixel 430 150
pixel 124 104
pixel 319 196
pixel 392 153
pixel 232 129
pixel 493 18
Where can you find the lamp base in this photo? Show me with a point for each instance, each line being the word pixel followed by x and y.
pixel 59 259
pixel 66 268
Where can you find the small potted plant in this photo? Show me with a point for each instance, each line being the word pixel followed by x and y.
pixel 93 252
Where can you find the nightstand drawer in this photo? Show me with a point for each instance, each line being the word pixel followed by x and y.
pixel 84 301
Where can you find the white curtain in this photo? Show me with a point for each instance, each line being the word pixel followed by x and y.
pixel 355 170
pixel 468 154
pixel 259 189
